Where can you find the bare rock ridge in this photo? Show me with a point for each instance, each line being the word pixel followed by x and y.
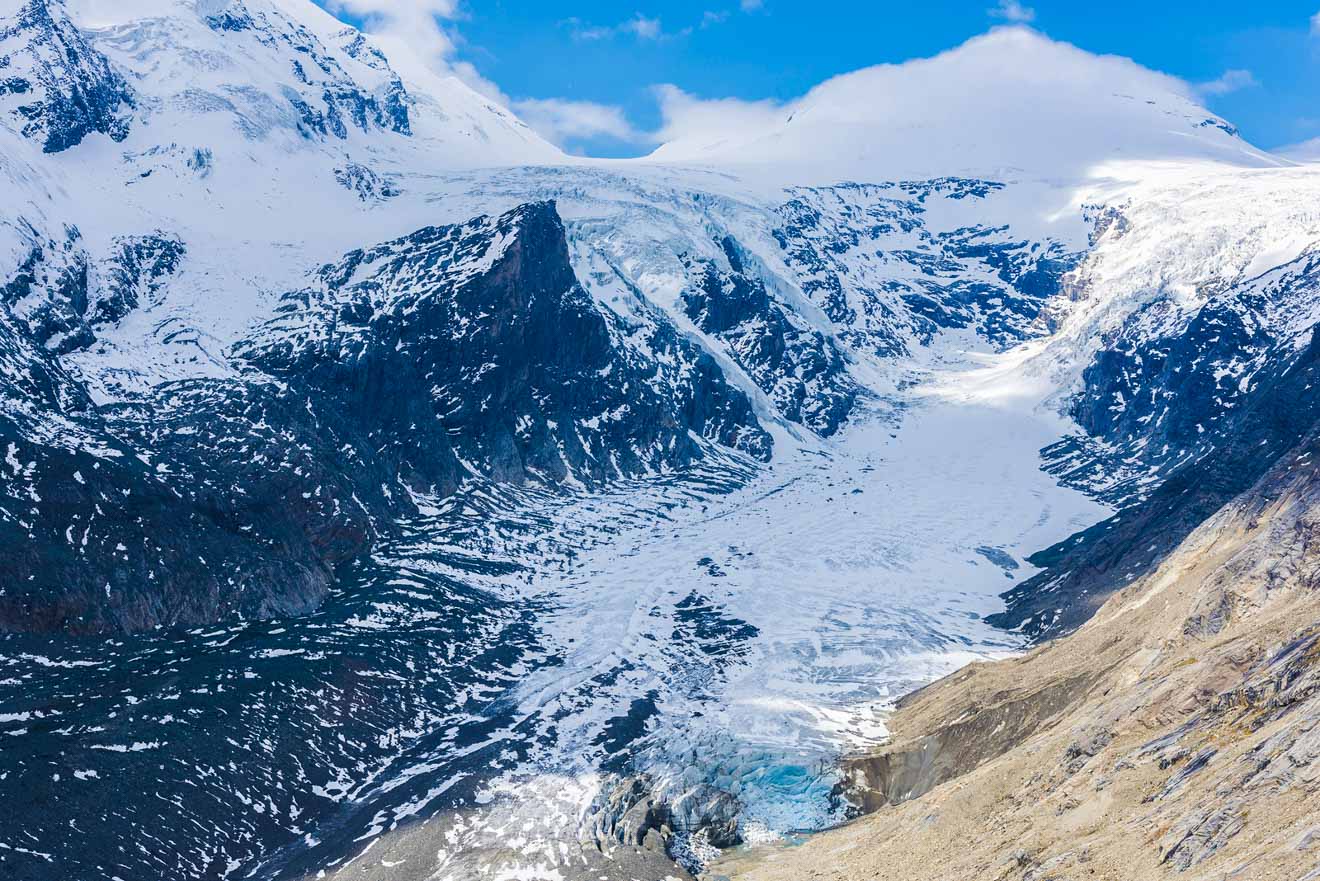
pixel 404 370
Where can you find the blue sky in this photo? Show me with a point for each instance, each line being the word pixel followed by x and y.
pixel 585 71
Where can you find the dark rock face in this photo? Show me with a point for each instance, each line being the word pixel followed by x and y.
pixel 136 273
pixel 367 184
pixel 1280 409
pixel 49 293
pixel 1183 412
pixel 454 353
pixel 1153 401
pixel 57 87
pixel 845 242
pixel 802 371
pixel 55 294
pixel 214 524
pixel 475 344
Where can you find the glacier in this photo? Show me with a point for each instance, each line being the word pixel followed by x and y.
pixel 540 669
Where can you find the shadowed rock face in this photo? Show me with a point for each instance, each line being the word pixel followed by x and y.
pixel 475 343
pixel 1083 571
pixel 844 242
pixel 456 352
pixel 801 370
pixel 1198 405
pixel 54 84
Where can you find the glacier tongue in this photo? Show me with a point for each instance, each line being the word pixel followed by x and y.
pixel 727 647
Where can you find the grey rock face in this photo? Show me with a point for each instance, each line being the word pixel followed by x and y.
pixel 453 353
pixel 55 85
pixel 367 184
pixel 802 371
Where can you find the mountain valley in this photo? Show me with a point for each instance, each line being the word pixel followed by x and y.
pixel 388 494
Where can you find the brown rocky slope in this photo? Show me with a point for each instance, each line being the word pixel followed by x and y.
pixel 1176 735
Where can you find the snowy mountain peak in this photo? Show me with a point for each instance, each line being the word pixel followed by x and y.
pixel 273 71
pixel 1010 103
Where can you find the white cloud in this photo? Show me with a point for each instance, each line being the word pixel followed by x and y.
pixel 559 120
pixel 1307 151
pixel 1012 10
pixel 711 121
pixel 416 25
pixel 1315 25
pixel 640 26
pixel 751 5
pixel 1230 81
pixel 1040 106
pixel 645 28
pixel 416 20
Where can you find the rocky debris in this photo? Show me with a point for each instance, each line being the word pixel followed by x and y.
pixel 677 821
pixel 631 815
pixel 367 184
pixel 54 84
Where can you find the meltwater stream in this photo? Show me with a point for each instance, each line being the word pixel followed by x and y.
pixel 477 694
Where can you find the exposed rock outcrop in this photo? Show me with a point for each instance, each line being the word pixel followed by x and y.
pixel 455 353
pixel 798 367
pixel 54 84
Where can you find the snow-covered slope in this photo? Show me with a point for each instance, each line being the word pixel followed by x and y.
pixel 1010 103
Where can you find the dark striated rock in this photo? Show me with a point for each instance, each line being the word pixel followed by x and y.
pixel 136 273
pixel 54 83
pixel 210 501
pixel 801 370
pixel 1280 408
pixel 865 255
pixel 49 292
